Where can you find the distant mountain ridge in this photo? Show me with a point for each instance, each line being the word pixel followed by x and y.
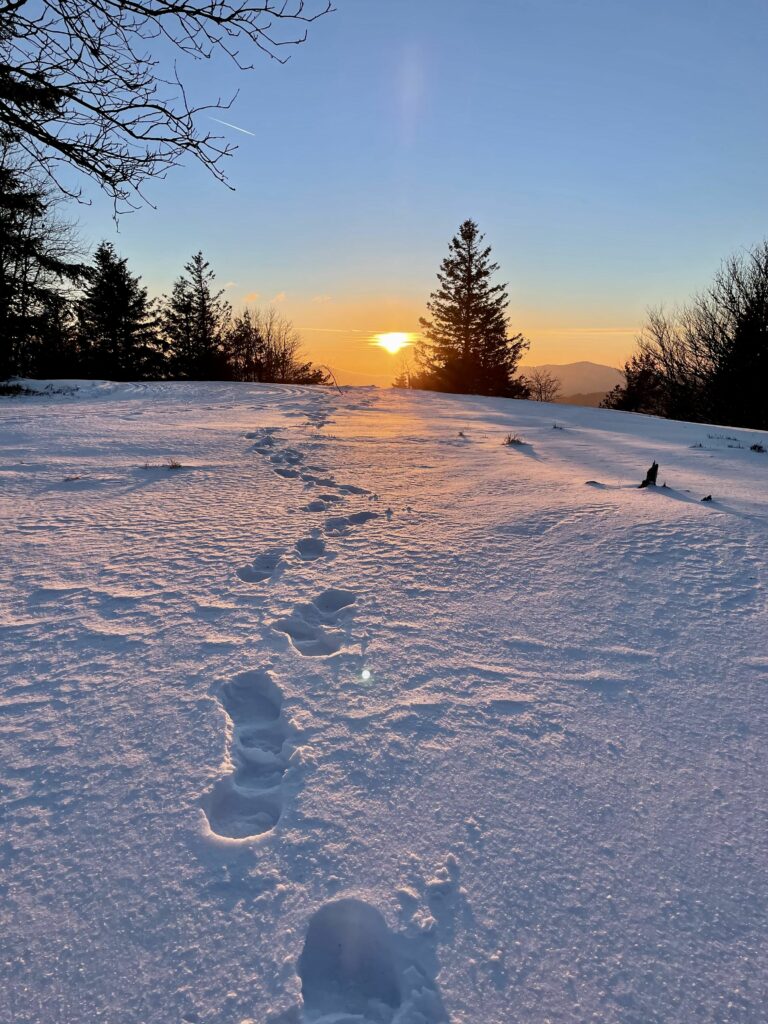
pixel 582 379
pixel 583 383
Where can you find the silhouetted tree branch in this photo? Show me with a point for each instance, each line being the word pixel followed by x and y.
pixel 82 84
pixel 708 360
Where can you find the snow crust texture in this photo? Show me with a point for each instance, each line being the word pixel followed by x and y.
pixel 324 707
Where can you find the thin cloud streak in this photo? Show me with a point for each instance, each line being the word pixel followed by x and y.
pixel 586 330
pixel 336 330
pixel 341 331
pixel 536 332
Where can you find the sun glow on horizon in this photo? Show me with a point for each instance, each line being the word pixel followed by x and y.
pixel 394 341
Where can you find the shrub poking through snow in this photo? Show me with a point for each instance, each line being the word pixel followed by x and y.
pixel 757 448
pixel 513 439
pixel 169 464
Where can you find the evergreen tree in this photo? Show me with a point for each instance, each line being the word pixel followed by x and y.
pixel 465 347
pixel 116 325
pixel 177 326
pixel 642 390
pixel 195 320
pixel 246 349
pixel 36 272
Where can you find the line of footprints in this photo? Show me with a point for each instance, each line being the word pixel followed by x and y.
pixel 351 964
pixel 248 802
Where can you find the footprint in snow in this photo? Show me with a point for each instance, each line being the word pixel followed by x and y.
pixel 323 502
pixel 264 442
pixel 262 568
pixel 313 480
pixel 288 456
pixel 318 416
pixel 313 629
pixel 352 489
pixel 310 548
pixel 248 802
pixel 340 525
pixel 318 505
pixel 352 967
pixel 261 433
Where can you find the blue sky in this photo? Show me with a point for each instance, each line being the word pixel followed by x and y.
pixel 612 152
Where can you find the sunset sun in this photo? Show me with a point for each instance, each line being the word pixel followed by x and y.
pixel 393 342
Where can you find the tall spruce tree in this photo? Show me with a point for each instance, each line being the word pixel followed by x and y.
pixel 116 325
pixel 465 346
pixel 195 319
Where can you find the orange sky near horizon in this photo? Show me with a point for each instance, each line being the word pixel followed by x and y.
pixel 342 334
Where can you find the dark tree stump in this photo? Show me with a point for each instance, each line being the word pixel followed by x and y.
pixel 651 476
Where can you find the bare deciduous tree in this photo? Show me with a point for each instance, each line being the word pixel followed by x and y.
pixel 708 360
pixel 406 375
pixel 91 84
pixel 543 385
pixel 261 345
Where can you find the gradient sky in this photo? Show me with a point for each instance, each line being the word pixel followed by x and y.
pixel 613 152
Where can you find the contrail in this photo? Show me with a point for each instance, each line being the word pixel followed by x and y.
pixel 336 330
pixel 236 127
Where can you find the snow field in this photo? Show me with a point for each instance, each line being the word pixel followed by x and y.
pixel 352 718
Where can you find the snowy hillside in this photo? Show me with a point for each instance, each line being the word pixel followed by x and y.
pixel 359 715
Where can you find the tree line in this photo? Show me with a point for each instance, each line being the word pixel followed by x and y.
pixel 65 317
pixel 62 315
pixel 92 92
pixel 705 362
pixel 708 360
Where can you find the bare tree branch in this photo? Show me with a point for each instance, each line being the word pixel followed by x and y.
pixel 82 84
